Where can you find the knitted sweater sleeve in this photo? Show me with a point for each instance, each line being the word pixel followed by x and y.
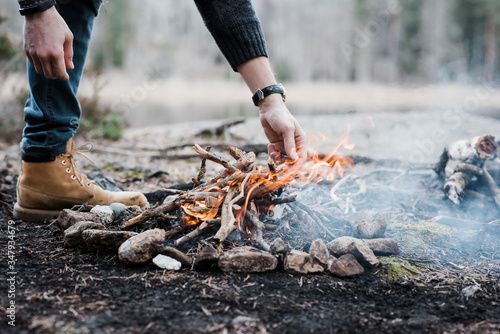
pixel 235 28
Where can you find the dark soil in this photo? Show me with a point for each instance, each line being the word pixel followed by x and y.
pixel 60 290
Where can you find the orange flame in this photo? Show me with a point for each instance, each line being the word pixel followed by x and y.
pixel 263 181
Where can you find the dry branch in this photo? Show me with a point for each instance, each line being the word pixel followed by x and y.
pixel 316 217
pixel 259 228
pixel 200 230
pixel 492 185
pixel 214 157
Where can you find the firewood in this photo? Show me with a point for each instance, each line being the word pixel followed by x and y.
pixel 455 185
pixel 214 157
pixel 228 221
pixel 492 185
pixel 259 228
pixel 468 168
pixel 200 230
pixel 316 217
pixel 203 169
pixel 172 203
pixel 235 152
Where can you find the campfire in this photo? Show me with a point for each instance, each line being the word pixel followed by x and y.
pixel 245 218
pixel 241 193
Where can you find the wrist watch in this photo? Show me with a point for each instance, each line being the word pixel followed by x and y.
pixel 38 8
pixel 261 94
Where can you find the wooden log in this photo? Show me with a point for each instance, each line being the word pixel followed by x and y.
pixel 492 185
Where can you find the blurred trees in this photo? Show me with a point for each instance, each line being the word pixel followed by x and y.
pixel 479 21
pixel 390 41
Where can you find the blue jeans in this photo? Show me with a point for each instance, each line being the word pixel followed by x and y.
pixel 52 110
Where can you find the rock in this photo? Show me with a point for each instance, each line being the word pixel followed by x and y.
pixel 73 234
pixel 206 257
pixel 278 246
pixel 174 253
pixel 346 266
pixel 166 262
pixel 142 247
pixel 383 246
pixel 319 252
pixel 298 262
pixel 105 212
pixel 356 247
pixel 247 260
pixel 106 240
pixel 368 229
pixel 68 217
pixel 119 210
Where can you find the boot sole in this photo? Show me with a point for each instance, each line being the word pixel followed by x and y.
pixel 34 215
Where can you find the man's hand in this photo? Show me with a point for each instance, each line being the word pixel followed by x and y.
pixel 282 130
pixel 48 44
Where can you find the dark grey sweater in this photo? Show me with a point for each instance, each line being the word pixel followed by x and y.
pixel 235 28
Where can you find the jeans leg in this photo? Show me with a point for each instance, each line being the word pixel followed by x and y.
pixel 52 110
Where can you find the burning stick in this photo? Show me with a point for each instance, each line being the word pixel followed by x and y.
pixel 259 228
pixel 172 203
pixel 203 228
pixel 228 221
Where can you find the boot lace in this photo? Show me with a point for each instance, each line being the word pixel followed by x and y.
pixel 73 165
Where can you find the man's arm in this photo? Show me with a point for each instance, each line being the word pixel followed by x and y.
pixel 282 130
pixel 48 44
pixel 237 31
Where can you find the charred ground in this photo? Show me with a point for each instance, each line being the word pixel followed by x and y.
pixel 62 290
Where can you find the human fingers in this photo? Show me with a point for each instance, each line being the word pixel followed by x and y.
pixel 289 143
pixel 59 68
pixel 68 52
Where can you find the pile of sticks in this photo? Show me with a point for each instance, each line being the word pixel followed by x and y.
pixel 232 199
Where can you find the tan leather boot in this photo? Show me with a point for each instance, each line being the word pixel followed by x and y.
pixel 46 188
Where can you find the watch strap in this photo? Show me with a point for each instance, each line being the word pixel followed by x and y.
pixel 41 7
pixel 261 94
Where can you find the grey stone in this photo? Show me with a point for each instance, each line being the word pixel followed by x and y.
pixel 356 247
pixel 174 253
pixel 206 257
pixel 73 234
pixel 319 252
pixel 106 240
pixel 278 246
pixel 298 262
pixel 346 266
pixel 68 217
pixel 142 247
pixel 119 210
pixel 247 260
pixel 383 246
pixel 105 212
pixel 368 229
pixel 166 262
